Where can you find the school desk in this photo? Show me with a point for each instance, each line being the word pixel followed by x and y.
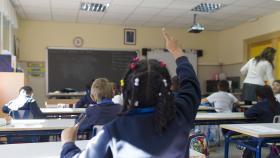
pixel 50 150
pixel 261 133
pixel 206 108
pixel 221 118
pixel 35 128
pixel 62 112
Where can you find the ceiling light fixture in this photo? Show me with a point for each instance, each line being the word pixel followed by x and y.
pixel 207 7
pixel 93 7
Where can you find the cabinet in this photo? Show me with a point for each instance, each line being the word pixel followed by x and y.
pixel 10 83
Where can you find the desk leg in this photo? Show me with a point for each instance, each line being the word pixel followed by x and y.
pixel 259 148
pixel 227 139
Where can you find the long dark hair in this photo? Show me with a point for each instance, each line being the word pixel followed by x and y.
pixel 265 92
pixel 147 83
pixel 267 54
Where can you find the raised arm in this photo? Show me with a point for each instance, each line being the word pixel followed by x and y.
pixel 189 95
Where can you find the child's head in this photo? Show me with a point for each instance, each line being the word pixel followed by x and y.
pixel 147 83
pixel 175 83
pixel 27 90
pixel 100 89
pixel 276 86
pixel 264 92
pixel 115 88
pixel 223 85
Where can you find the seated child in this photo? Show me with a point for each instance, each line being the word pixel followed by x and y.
pixel 86 100
pixel 24 101
pixel 222 100
pixel 264 111
pixel 104 110
pixel 276 89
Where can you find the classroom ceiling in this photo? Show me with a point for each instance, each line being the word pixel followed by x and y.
pixel 151 13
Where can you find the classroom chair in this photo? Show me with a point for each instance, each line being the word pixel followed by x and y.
pixel 276 119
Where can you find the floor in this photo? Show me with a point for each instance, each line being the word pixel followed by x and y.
pixel 218 152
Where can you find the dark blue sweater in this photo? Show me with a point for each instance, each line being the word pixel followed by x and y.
pixel 31 107
pixel 134 135
pixel 100 114
pixel 262 112
pixel 85 101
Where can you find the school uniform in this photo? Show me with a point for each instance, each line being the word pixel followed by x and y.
pixel 28 104
pixel 133 135
pixel 277 97
pixel 222 101
pixel 255 73
pixel 261 111
pixel 100 114
pixel 85 101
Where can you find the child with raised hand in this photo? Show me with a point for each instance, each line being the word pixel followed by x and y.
pixel 153 122
pixel 276 89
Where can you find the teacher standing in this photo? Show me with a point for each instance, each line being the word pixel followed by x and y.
pixel 257 70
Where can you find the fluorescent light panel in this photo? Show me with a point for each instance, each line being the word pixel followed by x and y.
pixel 207 7
pixel 93 7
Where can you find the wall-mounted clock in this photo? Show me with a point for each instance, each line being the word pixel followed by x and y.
pixel 78 41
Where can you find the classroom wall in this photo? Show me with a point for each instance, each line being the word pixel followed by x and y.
pixel 231 46
pixel 36 36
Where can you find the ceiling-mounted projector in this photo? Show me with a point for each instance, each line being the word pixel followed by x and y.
pixel 196 27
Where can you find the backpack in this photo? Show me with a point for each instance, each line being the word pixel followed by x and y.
pixel 198 142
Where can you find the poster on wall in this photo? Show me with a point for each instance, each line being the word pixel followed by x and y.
pixel 36 69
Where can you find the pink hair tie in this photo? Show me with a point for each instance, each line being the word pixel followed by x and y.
pixel 162 64
pixel 132 66
pixel 136 59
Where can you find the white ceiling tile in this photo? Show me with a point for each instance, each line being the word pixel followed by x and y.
pixel 147 11
pixel 97 1
pixel 162 19
pixel 156 3
pixel 69 12
pixel 232 9
pixel 121 9
pixel 225 2
pixel 35 3
pixel 65 4
pixel 181 4
pixel 172 12
pixel 248 3
pixel 127 2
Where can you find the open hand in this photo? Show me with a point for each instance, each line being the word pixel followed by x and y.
pixel 172 45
